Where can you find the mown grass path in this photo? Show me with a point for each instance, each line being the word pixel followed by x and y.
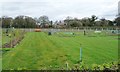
pixel 40 51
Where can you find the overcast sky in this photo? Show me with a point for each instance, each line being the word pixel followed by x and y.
pixel 60 9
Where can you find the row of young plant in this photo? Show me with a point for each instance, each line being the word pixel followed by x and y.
pixel 13 36
pixel 81 66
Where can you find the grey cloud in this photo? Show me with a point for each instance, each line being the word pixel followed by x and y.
pixel 59 9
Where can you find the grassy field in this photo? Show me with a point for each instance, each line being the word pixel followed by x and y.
pixel 40 51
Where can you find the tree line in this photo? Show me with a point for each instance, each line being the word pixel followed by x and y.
pixel 44 22
pixel 93 21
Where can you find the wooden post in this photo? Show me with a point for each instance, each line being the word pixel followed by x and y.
pixel 66 65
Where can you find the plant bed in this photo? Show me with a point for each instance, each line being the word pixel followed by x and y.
pixel 13 43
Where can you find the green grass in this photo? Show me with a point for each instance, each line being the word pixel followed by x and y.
pixel 40 51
